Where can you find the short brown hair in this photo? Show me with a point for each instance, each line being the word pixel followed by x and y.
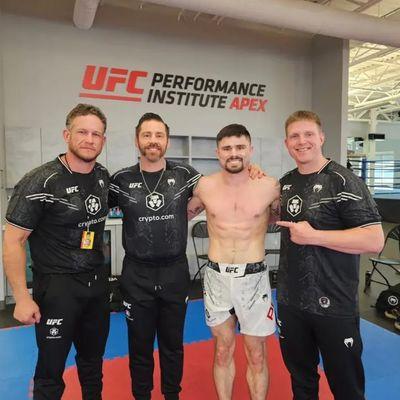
pixel 233 130
pixel 302 115
pixel 85 109
pixel 150 117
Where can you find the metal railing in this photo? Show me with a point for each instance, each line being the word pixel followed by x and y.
pixel 381 176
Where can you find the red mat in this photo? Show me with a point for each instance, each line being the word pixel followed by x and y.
pixel 197 380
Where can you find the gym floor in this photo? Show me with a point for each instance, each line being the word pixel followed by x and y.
pixel 367 299
pixel 18 355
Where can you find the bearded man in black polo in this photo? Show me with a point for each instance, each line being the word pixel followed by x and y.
pixel 329 218
pixel 61 208
pixel 153 195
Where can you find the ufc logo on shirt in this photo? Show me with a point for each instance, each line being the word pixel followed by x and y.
pixel 135 185
pixel 72 189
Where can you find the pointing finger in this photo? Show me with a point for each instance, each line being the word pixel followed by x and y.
pixel 286 224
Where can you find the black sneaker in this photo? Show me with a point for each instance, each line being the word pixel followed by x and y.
pixel 171 396
pixel 394 313
pixel 397 324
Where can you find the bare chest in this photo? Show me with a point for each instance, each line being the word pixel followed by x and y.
pixel 236 205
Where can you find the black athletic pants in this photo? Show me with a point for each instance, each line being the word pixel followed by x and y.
pixel 303 335
pixel 74 309
pixel 155 299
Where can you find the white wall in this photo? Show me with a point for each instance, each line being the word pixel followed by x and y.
pixel 329 97
pixel 44 63
pixel 44 58
pixel 392 138
pixel 390 129
pixel 362 129
pixel 357 129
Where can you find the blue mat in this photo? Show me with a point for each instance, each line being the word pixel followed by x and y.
pixel 18 354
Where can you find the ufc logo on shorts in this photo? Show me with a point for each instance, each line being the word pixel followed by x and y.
pixel 231 270
pixel 127 305
pixel 111 83
pixel 52 322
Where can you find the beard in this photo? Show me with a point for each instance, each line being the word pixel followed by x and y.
pixel 146 151
pixel 236 169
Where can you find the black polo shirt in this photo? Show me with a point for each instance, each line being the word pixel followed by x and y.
pixel 57 205
pixel 315 278
pixel 154 209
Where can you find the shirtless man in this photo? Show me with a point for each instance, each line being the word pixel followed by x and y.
pixel 236 283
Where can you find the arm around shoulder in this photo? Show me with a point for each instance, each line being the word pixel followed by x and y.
pixel 274 199
pixel 195 205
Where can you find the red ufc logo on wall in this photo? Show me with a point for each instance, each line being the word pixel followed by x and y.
pixel 112 83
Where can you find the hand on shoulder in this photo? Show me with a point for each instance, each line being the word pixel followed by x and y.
pixel 271 183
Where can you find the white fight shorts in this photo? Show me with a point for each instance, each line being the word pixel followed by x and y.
pixel 243 290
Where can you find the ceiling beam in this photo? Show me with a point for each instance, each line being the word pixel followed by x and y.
pixel 299 15
pixel 372 56
pixel 374 103
pixel 367 5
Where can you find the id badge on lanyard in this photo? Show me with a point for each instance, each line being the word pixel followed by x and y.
pixel 87 240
